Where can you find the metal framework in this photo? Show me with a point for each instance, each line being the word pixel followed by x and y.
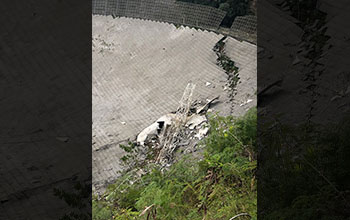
pixel 161 10
pixel 245 23
pixel 244 27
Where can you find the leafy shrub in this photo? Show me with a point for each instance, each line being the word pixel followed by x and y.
pixel 226 63
pixel 78 199
pixel 219 186
pixel 303 172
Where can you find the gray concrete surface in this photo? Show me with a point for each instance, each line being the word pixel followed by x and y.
pixel 140 69
pixel 323 98
pixel 244 55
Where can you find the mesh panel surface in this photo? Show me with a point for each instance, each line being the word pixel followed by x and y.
pixel 168 11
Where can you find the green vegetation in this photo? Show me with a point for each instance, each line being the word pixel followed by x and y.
pixel 218 187
pixel 303 172
pixel 226 63
pixel 78 199
pixel 232 7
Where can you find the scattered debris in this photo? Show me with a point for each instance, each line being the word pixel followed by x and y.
pixel 202 132
pixel 206 106
pixel 183 128
pixel 123 123
pixel 145 210
pixel 155 128
pixel 147 132
pixel 172 134
pixel 195 120
pixel 207 84
pixel 241 214
pixel 246 102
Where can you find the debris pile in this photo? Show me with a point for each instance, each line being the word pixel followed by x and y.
pixel 181 129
